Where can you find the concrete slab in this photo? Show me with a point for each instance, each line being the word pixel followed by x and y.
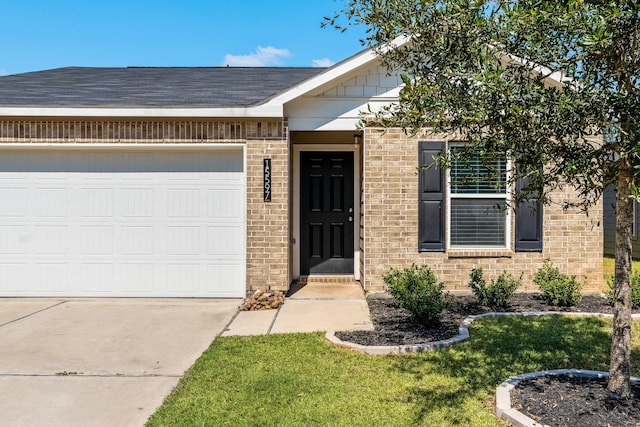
pixel 251 323
pixel 124 337
pixel 81 401
pixel 12 309
pixel 322 315
pixel 101 361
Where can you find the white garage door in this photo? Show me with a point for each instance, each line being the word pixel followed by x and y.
pixel 122 223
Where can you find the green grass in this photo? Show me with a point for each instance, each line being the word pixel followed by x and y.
pixel 300 379
pixel 608 266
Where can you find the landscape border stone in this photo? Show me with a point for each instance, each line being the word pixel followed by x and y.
pixel 463 333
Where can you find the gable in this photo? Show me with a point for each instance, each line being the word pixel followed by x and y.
pixel 339 104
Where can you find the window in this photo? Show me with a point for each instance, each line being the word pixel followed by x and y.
pixel 474 198
pixel 477 201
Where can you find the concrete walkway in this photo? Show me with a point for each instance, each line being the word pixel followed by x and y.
pixel 99 362
pixel 318 307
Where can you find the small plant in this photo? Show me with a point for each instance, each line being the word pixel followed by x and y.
pixel 635 289
pixel 498 293
pixel 557 288
pixel 417 290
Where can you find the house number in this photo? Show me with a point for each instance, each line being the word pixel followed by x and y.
pixel 267 180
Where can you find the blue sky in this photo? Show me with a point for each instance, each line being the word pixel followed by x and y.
pixel 42 34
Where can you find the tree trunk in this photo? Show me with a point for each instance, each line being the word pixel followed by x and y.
pixel 620 360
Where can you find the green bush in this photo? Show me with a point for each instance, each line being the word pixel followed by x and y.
pixel 557 288
pixel 498 293
pixel 417 290
pixel 635 289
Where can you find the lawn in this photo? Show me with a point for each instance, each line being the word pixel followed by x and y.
pixel 300 379
pixel 608 266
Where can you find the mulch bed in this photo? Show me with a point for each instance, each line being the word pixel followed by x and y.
pixel 556 401
pixel 393 326
pixel 571 401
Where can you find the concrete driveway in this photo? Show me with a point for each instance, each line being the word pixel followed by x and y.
pixel 99 362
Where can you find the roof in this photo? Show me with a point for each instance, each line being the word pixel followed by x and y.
pixel 150 86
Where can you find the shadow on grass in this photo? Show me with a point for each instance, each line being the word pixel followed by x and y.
pixel 500 348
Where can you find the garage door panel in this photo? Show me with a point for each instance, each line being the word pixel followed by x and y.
pixel 12 277
pixel 183 202
pixel 138 202
pixel 142 278
pixel 12 199
pixel 122 223
pixel 224 274
pixel 49 202
pixel 13 239
pixel 137 240
pixel 224 203
pixel 182 278
pixel 183 240
pixel 50 239
pixel 98 277
pixel 51 278
pixel 97 202
pixel 221 244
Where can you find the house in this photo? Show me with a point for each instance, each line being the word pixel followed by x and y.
pixel 609 223
pixel 212 182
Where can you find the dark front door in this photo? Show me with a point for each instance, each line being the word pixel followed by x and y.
pixel 326 212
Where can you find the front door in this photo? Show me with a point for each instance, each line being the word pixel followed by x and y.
pixel 326 212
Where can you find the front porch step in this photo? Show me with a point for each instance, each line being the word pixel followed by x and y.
pixel 329 280
pixel 326 287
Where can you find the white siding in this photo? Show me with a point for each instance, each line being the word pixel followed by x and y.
pixel 338 106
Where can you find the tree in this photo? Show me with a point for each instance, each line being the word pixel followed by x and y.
pixel 541 80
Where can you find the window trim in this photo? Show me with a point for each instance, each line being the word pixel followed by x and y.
pixel 480 196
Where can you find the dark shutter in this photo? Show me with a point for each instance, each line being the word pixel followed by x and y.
pixel 528 222
pixel 432 198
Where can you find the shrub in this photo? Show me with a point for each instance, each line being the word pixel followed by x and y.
pixel 635 289
pixel 417 290
pixel 557 288
pixel 498 293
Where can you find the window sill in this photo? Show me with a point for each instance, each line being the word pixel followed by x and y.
pixel 479 253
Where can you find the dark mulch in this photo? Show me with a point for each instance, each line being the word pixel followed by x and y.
pixel 570 401
pixel 558 401
pixel 393 326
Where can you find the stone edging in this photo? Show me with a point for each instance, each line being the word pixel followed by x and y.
pixel 463 334
pixel 516 418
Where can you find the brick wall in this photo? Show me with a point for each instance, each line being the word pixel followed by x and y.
pixel 136 131
pixel 572 240
pixel 268 222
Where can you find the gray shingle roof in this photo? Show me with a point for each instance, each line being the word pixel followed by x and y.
pixel 148 87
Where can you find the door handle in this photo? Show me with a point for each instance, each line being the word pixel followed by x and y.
pixel 350 218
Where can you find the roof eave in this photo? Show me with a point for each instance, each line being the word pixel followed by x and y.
pixel 271 110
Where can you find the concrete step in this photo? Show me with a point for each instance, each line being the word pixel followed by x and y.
pixel 326 287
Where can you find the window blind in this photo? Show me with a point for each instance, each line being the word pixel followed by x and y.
pixel 478 222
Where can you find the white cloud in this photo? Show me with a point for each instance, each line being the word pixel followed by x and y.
pixel 324 62
pixel 262 57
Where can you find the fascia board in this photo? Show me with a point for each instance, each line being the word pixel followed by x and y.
pixel 249 112
pixel 558 77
